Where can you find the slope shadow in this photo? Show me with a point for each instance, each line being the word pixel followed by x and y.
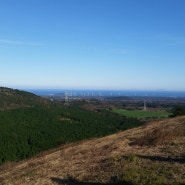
pixel 72 181
pixel 180 160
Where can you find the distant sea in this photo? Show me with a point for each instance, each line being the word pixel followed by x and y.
pixel 107 93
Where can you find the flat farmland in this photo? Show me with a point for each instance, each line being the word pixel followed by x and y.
pixel 142 114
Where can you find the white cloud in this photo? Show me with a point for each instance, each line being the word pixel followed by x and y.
pixel 16 42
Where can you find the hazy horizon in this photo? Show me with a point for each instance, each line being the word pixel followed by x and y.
pixel 107 93
pixel 93 44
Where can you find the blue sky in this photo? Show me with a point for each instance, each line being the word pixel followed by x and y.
pixel 93 44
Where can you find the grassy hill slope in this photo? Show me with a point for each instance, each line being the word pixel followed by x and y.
pixel 13 99
pixel 148 155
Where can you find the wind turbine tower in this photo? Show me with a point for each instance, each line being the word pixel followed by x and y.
pixel 144 108
pixel 66 99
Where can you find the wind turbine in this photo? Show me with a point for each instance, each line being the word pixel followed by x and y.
pixel 144 108
pixel 66 99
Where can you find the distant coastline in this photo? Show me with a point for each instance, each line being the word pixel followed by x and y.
pixel 107 93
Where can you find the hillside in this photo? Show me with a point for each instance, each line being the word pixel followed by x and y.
pixel 30 124
pixel 148 155
pixel 13 99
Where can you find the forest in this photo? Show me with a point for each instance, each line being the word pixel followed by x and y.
pixel 25 132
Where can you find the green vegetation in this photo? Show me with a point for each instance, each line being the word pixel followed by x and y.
pixel 178 111
pixel 13 99
pixel 141 114
pixel 35 124
pixel 24 132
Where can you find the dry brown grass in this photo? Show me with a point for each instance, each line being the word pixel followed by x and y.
pixel 160 136
pixel 109 160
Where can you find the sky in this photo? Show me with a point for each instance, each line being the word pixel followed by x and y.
pixel 93 44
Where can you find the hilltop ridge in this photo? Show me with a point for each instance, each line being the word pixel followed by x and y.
pixel 14 98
